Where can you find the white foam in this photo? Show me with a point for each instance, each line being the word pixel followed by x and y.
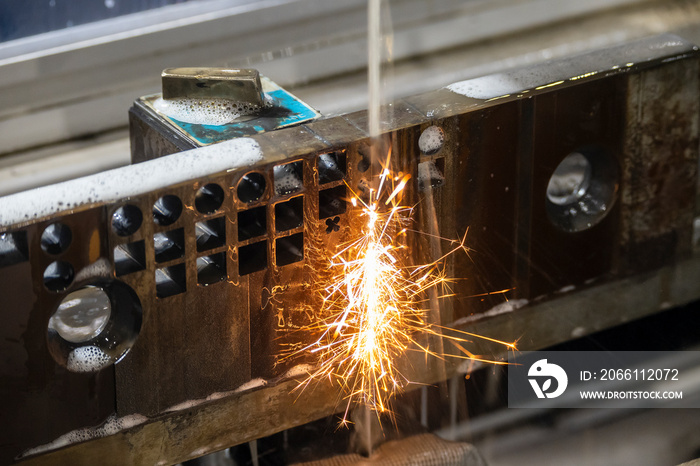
pixel 185 405
pixel 204 111
pixel 111 426
pixel 219 395
pixel 431 140
pixel 548 75
pixel 519 81
pixel 87 359
pixel 301 369
pixel 259 382
pixel 488 87
pixel 566 289
pixel 198 452
pixel 254 383
pixel 215 112
pixel 128 181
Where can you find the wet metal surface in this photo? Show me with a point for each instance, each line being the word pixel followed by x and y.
pixel 154 134
pixel 213 83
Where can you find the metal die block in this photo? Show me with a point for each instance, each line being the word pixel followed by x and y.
pixel 575 172
pixel 40 368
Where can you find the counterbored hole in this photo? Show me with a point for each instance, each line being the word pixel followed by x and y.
pixel 252 223
pixel 289 249
pixel 126 220
pixel 209 198
pixel 289 178
pixel 58 276
pixel 56 238
pixel 570 180
pixel 211 269
pixel 167 210
pixel 251 187
pixel 252 258
pixel 582 189
pixel 82 315
pixel 94 326
pixel 332 167
pixel 431 140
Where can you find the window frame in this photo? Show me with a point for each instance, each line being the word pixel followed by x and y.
pixel 82 80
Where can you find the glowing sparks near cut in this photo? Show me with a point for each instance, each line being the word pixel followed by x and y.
pixel 374 302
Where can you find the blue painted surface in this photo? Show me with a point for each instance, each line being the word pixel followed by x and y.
pixel 286 111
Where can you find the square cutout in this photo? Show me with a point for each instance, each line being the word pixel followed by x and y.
pixel 169 245
pixel 13 248
pixel 129 258
pixel 252 223
pixel 211 269
pixel 289 178
pixel 289 214
pixel 331 202
pixel 210 233
pixel 252 258
pixel 332 167
pixel 170 280
pixel 290 249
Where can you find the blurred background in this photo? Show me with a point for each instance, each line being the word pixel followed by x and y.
pixel 70 69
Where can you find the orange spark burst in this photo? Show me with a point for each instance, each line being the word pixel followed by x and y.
pixel 373 303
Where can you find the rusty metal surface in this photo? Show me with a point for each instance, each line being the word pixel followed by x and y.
pixel 206 335
pixel 660 166
pixel 418 450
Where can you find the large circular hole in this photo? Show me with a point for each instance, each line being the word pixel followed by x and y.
pixel 82 315
pixel 209 198
pixel 56 238
pixel 570 181
pixel 58 276
pixel 582 189
pixel 167 210
pixel 431 140
pixel 251 187
pixel 94 326
pixel 126 220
